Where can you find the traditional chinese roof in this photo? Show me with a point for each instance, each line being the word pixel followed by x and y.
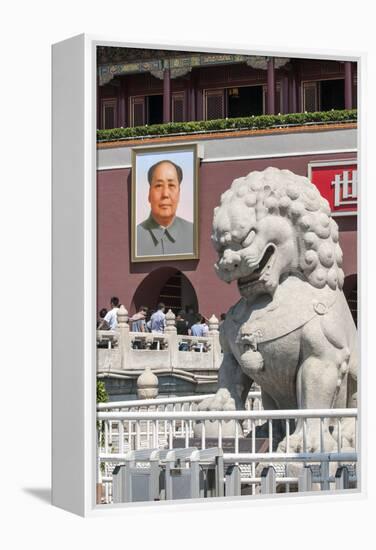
pixel 106 55
pixel 119 61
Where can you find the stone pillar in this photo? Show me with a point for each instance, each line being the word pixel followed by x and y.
pixel 147 385
pixel 270 100
pixel 124 338
pixel 216 346
pixel 348 85
pixel 171 333
pixel 166 95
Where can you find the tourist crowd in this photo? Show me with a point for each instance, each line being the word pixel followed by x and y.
pixel 188 323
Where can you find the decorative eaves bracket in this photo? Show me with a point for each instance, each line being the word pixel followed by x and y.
pixel 180 66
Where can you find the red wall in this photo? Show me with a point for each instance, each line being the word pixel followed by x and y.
pixel 116 275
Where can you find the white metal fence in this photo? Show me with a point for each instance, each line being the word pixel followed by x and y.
pixel 121 431
pixel 166 404
pixel 173 403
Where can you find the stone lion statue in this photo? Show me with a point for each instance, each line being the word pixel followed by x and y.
pixel 291 331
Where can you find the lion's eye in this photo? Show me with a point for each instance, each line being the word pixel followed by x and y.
pixel 249 238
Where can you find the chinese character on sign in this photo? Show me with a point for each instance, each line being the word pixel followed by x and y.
pixel 349 188
pixel 337 181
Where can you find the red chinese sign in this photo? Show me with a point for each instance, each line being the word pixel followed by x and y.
pixel 337 181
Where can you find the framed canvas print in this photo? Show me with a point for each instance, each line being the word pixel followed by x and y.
pixel 206 231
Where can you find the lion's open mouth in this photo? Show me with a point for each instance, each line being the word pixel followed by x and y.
pixel 263 265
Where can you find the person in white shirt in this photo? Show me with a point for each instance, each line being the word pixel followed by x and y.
pixel 111 316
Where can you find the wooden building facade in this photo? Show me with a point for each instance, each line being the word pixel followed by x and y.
pixel 139 87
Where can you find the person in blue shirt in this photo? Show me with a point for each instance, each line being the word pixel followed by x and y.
pixel 158 319
pixel 200 328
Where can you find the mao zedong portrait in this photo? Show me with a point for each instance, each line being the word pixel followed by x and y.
pixel 163 232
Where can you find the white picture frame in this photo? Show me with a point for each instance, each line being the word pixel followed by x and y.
pixel 74 448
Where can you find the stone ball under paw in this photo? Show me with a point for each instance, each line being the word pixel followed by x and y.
pixel 251 362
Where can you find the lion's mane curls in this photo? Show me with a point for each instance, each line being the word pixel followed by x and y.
pixel 283 193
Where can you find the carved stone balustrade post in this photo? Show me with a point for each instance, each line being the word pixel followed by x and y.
pixel 171 333
pixel 215 344
pixel 147 385
pixel 124 338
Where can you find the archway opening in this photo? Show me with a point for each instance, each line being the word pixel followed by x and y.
pixel 167 285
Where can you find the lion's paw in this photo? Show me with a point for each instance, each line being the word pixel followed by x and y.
pixel 221 401
pixel 312 444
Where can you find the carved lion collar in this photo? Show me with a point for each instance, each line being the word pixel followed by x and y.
pixel 295 303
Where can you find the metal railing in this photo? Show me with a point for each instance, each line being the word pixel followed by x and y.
pixel 170 404
pixel 123 431
pixel 173 403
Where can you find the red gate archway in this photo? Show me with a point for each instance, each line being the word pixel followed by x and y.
pixel 167 285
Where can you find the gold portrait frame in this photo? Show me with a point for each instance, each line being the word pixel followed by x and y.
pixel 157 150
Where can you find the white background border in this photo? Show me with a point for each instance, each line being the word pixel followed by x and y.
pixel 29 30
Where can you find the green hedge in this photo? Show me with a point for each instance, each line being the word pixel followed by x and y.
pixel 102 395
pixel 244 123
